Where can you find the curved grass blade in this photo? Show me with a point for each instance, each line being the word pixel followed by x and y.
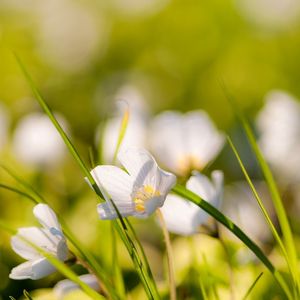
pixel 122 132
pixel 277 201
pixel 216 214
pixel 261 205
pixel 253 286
pixel 58 127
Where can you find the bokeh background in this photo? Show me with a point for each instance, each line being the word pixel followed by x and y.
pixel 172 54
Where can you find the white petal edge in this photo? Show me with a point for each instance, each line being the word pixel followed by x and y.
pixel 34 270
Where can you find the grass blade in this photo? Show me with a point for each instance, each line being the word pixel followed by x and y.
pixel 216 214
pixel 261 205
pixel 277 201
pixel 253 286
pixel 58 127
pixel 122 132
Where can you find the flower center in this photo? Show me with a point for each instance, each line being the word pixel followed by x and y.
pixel 187 163
pixel 142 195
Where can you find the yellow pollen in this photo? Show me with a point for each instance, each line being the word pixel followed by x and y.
pixel 187 163
pixel 142 195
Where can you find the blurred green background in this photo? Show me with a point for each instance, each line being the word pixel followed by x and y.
pixel 175 53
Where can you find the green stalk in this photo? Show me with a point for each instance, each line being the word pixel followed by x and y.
pixel 252 286
pixel 216 214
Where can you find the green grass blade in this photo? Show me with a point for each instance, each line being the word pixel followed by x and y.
pixel 58 127
pixel 253 286
pixel 277 201
pixel 261 205
pixel 216 214
pixel 17 191
pixel 117 272
pixel 122 132
pixel 27 295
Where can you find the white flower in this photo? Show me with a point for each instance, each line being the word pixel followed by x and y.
pixel 64 287
pixel 270 14
pixel 136 131
pixel 49 237
pixel 71 35
pixel 241 206
pixel 184 217
pixel 279 126
pixel 36 142
pixel 185 142
pixel 136 193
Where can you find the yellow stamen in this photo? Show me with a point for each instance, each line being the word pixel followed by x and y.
pixel 188 163
pixel 142 195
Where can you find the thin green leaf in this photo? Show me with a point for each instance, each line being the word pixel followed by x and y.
pixel 117 272
pixel 17 191
pixel 58 127
pixel 216 214
pixel 27 295
pixel 277 201
pixel 122 132
pixel 261 205
pixel 253 286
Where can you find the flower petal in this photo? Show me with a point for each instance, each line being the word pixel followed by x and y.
pixel 107 211
pixel 40 237
pixel 201 185
pixel 167 139
pixel 181 216
pixel 63 287
pixel 35 269
pixel 46 216
pixel 202 138
pixel 114 183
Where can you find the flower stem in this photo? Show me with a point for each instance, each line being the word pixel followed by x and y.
pixel 169 255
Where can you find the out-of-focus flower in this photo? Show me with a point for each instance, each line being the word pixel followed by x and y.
pixel 279 126
pixel 71 35
pixel 3 125
pixel 50 238
pixel 139 7
pixel 36 142
pixel 184 217
pixel 64 287
pixel 241 206
pixel 185 142
pixel 136 131
pixel 136 193
pixel 270 14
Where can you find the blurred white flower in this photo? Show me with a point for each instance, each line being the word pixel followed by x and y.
pixel 136 131
pixel 279 127
pixel 4 120
pixel 270 14
pixel 184 217
pixel 64 287
pixel 241 206
pixel 185 142
pixel 36 142
pixel 139 7
pixel 136 193
pixel 71 35
pixel 49 237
